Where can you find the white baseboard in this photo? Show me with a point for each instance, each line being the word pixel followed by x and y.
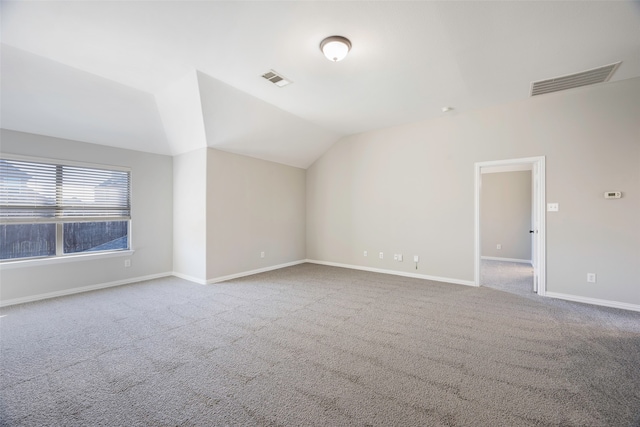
pixel 395 273
pixel 567 297
pixel 72 291
pixel 189 278
pixel 252 272
pixel 594 301
pixel 493 258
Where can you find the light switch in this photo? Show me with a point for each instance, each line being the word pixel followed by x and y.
pixel 552 207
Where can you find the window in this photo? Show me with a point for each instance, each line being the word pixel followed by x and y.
pixel 49 209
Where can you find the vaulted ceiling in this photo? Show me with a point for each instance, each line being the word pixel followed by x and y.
pixel 172 76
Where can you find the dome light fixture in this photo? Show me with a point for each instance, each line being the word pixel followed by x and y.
pixel 335 48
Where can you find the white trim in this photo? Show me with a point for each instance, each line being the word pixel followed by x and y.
pixel 36 262
pixel 252 272
pixel 594 301
pixel 477 174
pixel 189 278
pixel 541 258
pixel 62 219
pixel 495 258
pixel 65 292
pixel 507 168
pixel 394 272
pixel 506 162
pixel 63 162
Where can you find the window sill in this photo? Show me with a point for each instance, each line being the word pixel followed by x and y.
pixel 6 265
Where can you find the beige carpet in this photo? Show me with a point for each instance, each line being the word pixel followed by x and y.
pixel 513 277
pixel 316 345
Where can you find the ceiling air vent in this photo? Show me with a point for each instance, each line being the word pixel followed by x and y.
pixel 570 81
pixel 276 78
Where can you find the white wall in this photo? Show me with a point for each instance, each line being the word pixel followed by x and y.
pixel 407 189
pixel 202 215
pixel 410 189
pixel 252 206
pixel 190 215
pixel 505 215
pixel 151 218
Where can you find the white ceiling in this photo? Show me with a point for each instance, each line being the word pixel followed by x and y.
pixel 171 76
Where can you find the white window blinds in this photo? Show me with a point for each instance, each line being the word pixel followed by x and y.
pixel 48 192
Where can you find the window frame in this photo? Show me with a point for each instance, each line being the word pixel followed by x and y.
pixel 60 256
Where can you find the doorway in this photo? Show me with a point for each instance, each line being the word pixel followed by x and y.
pixel 537 231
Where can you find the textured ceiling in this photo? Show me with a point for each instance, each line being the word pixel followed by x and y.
pixel 172 76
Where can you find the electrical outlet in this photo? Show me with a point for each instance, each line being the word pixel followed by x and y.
pixel 399 257
pixel 498 246
pixel 591 277
pixel 395 257
pixel 365 253
pixel 416 258
pixel 262 254
pixel 381 255
pixel 127 263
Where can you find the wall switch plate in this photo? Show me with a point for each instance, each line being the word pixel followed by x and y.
pixel 498 246
pixel 262 254
pixel 416 258
pixel 127 263
pixel 591 277
pixel 365 253
pixel 553 207
pixel 381 255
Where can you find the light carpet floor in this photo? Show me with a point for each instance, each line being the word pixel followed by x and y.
pixel 513 277
pixel 316 345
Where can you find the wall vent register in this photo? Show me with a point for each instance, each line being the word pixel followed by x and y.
pixel 570 81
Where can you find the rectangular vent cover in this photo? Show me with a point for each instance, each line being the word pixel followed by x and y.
pixel 276 78
pixel 570 81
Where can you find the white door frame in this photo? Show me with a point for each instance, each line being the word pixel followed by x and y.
pixel 539 164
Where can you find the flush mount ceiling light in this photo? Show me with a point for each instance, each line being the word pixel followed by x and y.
pixel 335 48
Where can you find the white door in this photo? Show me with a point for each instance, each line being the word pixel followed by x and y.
pixel 538 226
pixel 535 224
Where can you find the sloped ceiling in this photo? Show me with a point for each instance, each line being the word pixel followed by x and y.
pixel 49 98
pixel 172 76
pixel 238 122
